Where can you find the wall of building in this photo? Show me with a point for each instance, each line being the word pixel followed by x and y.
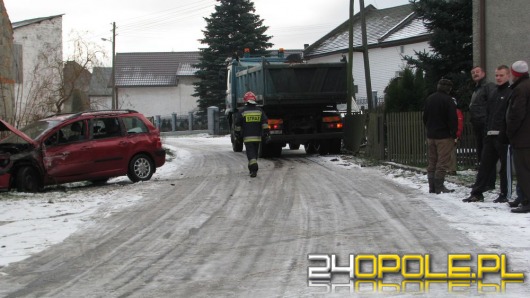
pixel 163 101
pixel 506 33
pixel 385 63
pixel 7 77
pixel 41 45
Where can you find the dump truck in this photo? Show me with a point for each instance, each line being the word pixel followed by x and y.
pixel 300 100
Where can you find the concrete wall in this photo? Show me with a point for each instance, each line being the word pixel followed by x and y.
pixel 507 34
pixel 384 65
pixel 7 77
pixel 164 101
pixel 41 49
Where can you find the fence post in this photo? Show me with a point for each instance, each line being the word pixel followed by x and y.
pixel 213 120
pixel 158 121
pixel 174 122
pixel 190 120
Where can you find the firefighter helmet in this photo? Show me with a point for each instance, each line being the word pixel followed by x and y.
pixel 249 97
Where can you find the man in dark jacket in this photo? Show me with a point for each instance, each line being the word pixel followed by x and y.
pixel 493 150
pixel 251 124
pixel 477 106
pixel 440 120
pixel 518 129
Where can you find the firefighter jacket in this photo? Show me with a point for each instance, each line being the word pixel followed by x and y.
pixel 251 123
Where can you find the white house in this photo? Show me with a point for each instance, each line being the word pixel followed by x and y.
pixel 38 45
pixel 156 83
pixel 391 34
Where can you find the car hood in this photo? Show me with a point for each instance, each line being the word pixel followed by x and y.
pixel 4 126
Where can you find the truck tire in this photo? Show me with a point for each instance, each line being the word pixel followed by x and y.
pixel 294 146
pixel 237 145
pixel 322 147
pixel 28 180
pixel 310 148
pixel 335 146
pixel 270 150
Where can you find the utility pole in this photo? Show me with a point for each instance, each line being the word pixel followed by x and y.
pixel 114 97
pixel 348 119
pixel 365 57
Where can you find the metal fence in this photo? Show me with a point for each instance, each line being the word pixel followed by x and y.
pixel 189 122
pixel 400 138
pixel 174 122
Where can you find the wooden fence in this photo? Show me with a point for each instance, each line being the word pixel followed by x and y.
pixel 400 138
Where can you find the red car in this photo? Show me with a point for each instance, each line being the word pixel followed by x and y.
pixel 93 146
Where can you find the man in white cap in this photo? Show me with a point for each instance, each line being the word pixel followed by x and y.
pixel 518 129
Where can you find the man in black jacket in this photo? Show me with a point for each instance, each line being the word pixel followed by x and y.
pixel 251 124
pixel 518 129
pixel 440 120
pixel 493 150
pixel 477 106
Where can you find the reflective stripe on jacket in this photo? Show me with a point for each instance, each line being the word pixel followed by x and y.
pixel 251 121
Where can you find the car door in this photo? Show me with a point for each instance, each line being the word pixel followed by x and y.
pixel 109 156
pixel 66 153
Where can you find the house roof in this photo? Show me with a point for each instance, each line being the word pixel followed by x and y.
pixel 33 21
pixel 100 83
pixel 154 68
pixel 386 26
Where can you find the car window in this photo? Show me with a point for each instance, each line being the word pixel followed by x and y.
pixel 34 131
pixel 106 128
pixel 70 133
pixel 134 125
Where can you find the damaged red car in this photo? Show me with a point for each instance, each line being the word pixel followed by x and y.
pixel 94 146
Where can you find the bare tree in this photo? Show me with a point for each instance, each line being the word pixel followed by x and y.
pixel 56 85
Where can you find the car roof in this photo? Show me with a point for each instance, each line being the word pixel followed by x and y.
pixel 67 116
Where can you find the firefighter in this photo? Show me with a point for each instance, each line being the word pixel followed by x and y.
pixel 251 124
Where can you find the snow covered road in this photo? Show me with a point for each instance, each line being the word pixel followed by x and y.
pixel 202 227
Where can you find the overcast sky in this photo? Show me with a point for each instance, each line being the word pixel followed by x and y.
pixel 176 25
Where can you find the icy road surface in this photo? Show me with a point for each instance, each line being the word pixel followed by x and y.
pixel 203 228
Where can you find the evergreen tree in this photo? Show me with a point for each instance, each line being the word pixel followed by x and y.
pixel 406 92
pixel 233 27
pixel 450 23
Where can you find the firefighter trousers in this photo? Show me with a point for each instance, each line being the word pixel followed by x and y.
pixel 252 149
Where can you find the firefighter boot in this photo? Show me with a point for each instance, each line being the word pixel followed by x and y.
pixel 439 186
pixel 253 168
pixel 430 177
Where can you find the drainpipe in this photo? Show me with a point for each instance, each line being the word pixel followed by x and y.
pixel 482 33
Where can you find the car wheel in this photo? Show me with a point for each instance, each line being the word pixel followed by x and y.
pixel 28 180
pixel 141 168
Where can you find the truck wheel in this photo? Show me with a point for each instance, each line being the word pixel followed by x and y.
pixel 294 146
pixel 335 146
pixel 276 150
pixel 322 147
pixel 141 168
pixel 270 150
pixel 28 180
pixel 237 146
pixel 310 148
